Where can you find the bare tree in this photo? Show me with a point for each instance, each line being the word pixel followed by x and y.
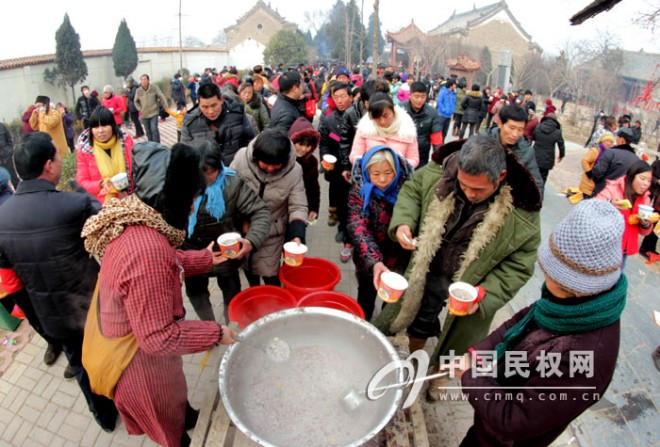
pixel 649 18
pixel 374 72
pixel 316 19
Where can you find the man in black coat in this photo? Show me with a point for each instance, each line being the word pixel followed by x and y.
pixel 614 162
pixel 85 106
pixel 40 240
pixel 287 108
pixel 426 119
pixel 546 135
pixel 220 119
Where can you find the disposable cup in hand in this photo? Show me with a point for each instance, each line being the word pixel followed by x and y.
pixel 461 296
pixel 328 162
pixel 391 287
pixel 229 244
pixel 294 254
pixel 120 181
pixel 644 212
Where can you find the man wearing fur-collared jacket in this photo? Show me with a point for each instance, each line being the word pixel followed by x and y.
pixel 475 211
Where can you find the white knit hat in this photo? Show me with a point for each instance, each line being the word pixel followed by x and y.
pixel 583 255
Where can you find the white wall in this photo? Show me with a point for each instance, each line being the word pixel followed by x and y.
pixel 20 86
pixel 247 54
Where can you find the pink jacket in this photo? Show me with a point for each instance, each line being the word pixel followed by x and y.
pixel 404 143
pixel 117 105
pixel 614 191
pixel 87 171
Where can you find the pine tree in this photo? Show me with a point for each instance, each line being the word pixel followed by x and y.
pixel 286 47
pixel 70 67
pixel 124 51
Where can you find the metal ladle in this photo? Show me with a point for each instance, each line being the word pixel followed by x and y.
pixel 355 398
pixel 276 349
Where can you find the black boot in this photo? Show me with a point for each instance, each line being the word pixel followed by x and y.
pixel 53 351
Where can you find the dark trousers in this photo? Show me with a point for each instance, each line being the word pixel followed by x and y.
pixel 464 127
pixel 444 122
pixel 197 290
pixel 488 120
pixel 544 174
pixel 338 198
pixel 366 293
pixel 458 120
pixel 22 300
pixel 69 142
pixel 135 118
pixel 151 126
pixel 255 280
pixel 101 407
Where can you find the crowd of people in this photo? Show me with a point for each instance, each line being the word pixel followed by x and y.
pixel 403 199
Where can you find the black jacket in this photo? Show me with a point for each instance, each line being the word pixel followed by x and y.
pixel 348 127
pixel 637 134
pixel 234 129
pixel 472 104
pixel 85 107
pixel 427 122
pixel 612 164
pixel 330 132
pixel 546 135
pixel 284 112
pixel 48 255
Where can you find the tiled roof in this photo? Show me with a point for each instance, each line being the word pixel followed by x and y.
pixel 266 7
pixel 50 58
pixel 470 19
pixel 640 65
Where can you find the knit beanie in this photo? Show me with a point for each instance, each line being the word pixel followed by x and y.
pixel 108 88
pixel 302 128
pixel 583 254
pixel 606 136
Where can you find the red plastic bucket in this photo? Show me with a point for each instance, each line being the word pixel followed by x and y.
pixel 259 301
pixel 314 275
pixel 332 300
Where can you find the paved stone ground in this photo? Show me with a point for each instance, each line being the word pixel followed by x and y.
pixel 40 408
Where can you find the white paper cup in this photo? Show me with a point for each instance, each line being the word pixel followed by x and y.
pixel 120 181
pixel 328 162
pixel 391 287
pixel 229 244
pixel 644 212
pixel 294 254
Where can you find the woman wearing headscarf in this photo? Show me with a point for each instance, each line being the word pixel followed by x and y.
pixel 103 152
pixel 225 206
pixel 139 289
pixel 587 185
pixel 377 180
pixel 387 125
pixel 576 322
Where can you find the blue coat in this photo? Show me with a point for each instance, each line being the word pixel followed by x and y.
pixel 446 102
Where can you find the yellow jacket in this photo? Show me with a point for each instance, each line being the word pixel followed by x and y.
pixel 51 123
pixel 179 117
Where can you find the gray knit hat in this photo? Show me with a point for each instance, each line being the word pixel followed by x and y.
pixel 583 254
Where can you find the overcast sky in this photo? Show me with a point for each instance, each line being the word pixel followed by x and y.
pixel 29 28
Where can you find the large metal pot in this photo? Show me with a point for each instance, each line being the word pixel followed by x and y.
pixel 298 402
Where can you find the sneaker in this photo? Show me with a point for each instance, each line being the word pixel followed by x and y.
pixel 68 373
pixel 346 253
pixel 52 353
pixel 339 237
